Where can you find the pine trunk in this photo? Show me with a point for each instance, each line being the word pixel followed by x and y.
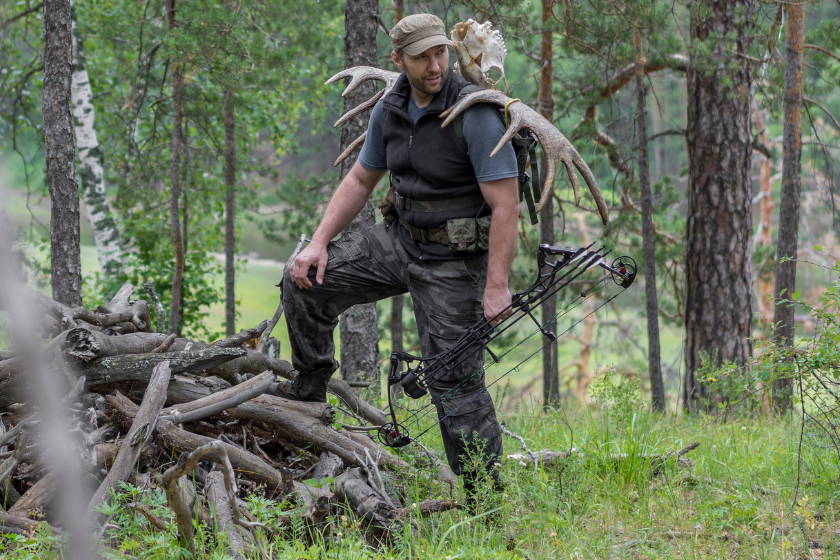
pixel 91 165
pixel 551 375
pixel 657 389
pixel 230 209
pixel 718 308
pixel 175 190
pixel 789 204
pixel 60 152
pixel 358 328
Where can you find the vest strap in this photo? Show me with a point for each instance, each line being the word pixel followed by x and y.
pixel 437 205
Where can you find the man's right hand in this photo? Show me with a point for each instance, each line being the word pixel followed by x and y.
pixel 315 255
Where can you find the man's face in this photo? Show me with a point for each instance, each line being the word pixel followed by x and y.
pixel 426 71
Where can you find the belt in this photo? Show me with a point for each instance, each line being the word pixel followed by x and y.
pixel 435 235
pixel 437 205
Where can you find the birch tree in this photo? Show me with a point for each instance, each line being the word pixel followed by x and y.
pixel 91 163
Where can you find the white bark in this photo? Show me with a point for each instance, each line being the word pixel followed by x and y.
pixel 91 164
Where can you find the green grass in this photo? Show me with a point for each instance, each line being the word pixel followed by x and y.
pixel 734 501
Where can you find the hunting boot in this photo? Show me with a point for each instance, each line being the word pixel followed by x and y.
pixel 310 387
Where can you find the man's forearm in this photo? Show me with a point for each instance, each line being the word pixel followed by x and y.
pixel 349 199
pixel 502 245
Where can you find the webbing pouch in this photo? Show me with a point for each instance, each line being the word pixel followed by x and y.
pixel 468 235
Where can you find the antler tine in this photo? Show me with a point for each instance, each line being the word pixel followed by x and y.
pixel 351 148
pixel 593 186
pixel 360 74
pixel 556 146
pixel 360 108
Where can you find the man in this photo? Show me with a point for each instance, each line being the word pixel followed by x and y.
pixel 432 244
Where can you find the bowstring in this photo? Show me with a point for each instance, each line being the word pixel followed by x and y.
pixel 540 349
pixel 417 415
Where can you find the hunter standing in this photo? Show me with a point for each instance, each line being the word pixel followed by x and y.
pixel 448 238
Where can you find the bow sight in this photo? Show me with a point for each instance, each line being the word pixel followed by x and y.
pixel 551 278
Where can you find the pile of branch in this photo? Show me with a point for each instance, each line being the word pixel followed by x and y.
pixel 140 398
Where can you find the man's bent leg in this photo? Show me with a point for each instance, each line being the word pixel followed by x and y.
pixel 363 267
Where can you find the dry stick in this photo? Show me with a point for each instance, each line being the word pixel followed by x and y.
pixel 375 478
pixel 217 452
pixel 149 288
pixel 141 431
pixel 37 497
pixel 242 336
pixel 9 464
pixel 217 402
pixel 279 313
pixel 514 436
pixel 10 435
pixel 215 490
pixel 164 346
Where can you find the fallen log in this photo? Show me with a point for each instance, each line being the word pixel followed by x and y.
pixel 34 500
pixel 547 457
pixel 374 512
pixel 135 313
pixel 13 524
pixel 329 465
pixel 142 429
pixel 137 368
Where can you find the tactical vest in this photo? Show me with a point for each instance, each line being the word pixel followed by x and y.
pixel 431 174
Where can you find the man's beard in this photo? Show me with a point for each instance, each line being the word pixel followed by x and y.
pixel 420 84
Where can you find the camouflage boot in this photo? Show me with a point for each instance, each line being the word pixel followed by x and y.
pixel 311 387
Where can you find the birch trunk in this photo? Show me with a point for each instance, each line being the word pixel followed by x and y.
pixel 551 373
pixel 60 151
pixel 657 389
pixel 357 325
pixel 91 164
pixel 789 204
pixel 718 308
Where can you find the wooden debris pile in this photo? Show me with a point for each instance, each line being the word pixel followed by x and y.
pixel 199 421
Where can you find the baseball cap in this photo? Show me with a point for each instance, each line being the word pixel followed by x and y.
pixel 419 32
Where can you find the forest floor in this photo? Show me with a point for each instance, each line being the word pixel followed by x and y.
pixel 737 498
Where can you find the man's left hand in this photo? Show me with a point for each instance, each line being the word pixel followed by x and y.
pixel 496 300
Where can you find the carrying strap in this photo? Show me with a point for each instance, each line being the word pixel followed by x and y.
pixel 524 145
pixel 437 205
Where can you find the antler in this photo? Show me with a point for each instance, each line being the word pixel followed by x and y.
pixel 556 147
pixel 361 74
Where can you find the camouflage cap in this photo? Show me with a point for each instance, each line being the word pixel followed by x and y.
pixel 419 32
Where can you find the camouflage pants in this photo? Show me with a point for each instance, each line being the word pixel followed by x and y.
pixel 371 265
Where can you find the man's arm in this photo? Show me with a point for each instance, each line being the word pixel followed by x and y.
pixel 502 196
pixel 349 199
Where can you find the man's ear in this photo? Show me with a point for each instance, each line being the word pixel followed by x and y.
pixel 396 60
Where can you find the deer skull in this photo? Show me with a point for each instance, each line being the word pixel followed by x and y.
pixel 479 50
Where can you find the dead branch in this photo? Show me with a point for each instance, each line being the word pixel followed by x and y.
pixel 217 402
pixel 155 521
pixel 214 488
pixel 164 346
pixel 34 500
pixel 375 513
pixel 10 523
pixel 11 463
pixel 241 337
pixel 822 50
pixel 142 430
pixel 149 288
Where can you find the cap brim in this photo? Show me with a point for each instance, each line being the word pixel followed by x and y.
pixel 425 44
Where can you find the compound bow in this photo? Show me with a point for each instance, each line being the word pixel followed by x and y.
pixel 551 278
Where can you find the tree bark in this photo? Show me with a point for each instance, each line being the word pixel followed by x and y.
pixel 357 326
pixel 764 237
pixel 551 373
pixel 657 389
pixel 230 209
pixel 789 204
pixel 92 164
pixel 396 336
pixel 175 189
pixel 718 308
pixel 60 152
